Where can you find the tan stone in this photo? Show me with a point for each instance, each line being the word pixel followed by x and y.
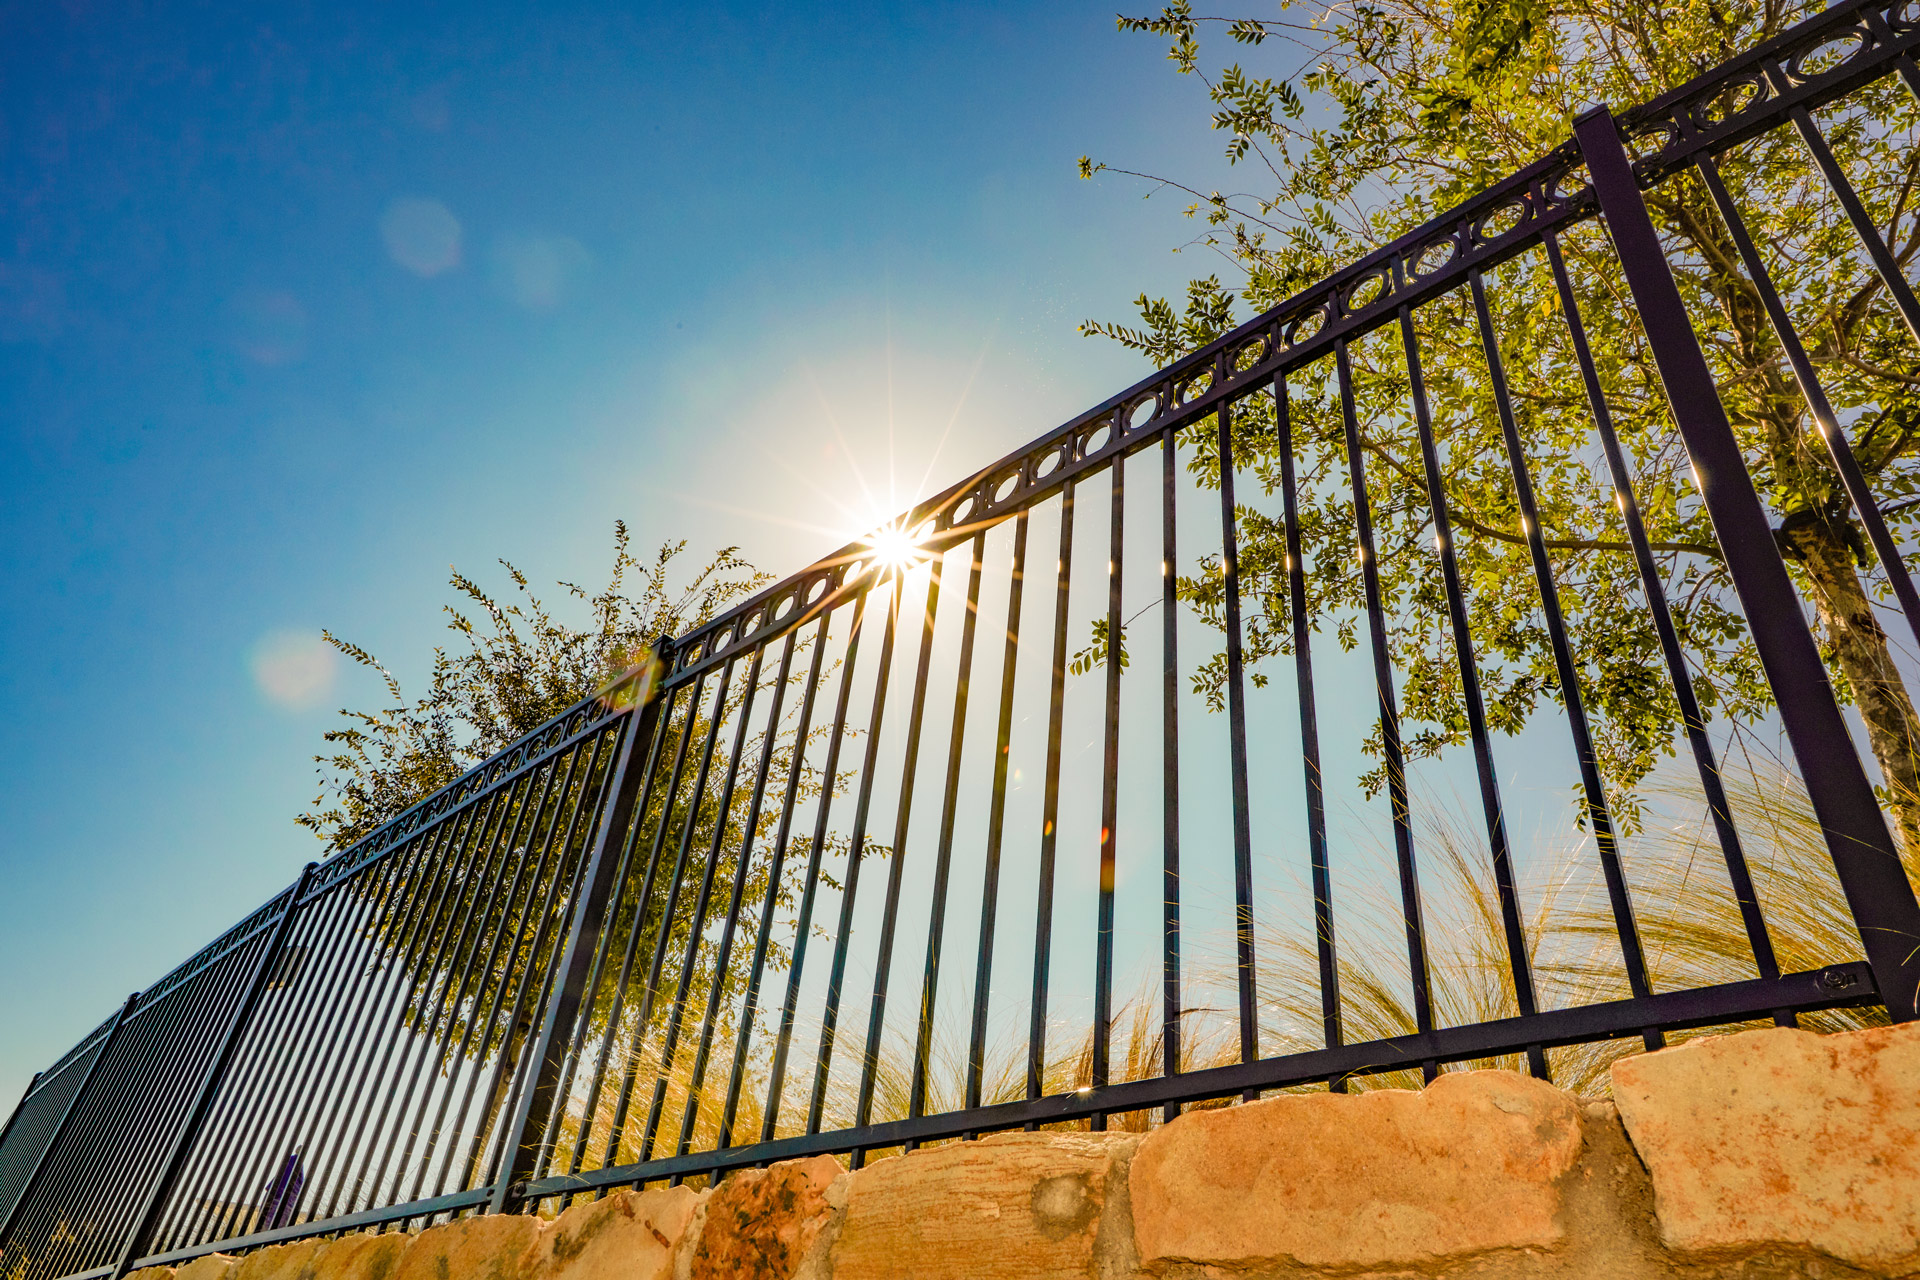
pixel 212 1266
pixel 361 1257
pixel 1382 1178
pixel 484 1247
pixel 292 1261
pixel 1783 1137
pixel 151 1273
pixel 1018 1206
pixel 762 1223
pixel 630 1235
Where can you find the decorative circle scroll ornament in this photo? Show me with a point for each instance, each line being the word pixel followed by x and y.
pixel 1501 221
pixel 1652 139
pixel 1366 291
pixel 1433 255
pixel 1567 184
pixel 1731 100
pixel 1829 54
pixel 1306 327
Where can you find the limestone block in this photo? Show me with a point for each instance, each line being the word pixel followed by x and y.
pixel 762 1223
pixel 1382 1178
pixel 360 1257
pixel 630 1235
pixel 151 1273
pixel 1018 1206
pixel 212 1266
pixel 292 1261
pixel 1783 1137
pixel 483 1247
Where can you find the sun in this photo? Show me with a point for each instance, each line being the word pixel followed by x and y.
pixel 894 549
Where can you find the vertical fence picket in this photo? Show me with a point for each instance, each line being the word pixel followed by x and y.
pixel 790 1002
pixel 1411 911
pixel 1693 722
pixel 996 823
pixel 1598 812
pixel 1170 994
pixel 1237 745
pixel 943 855
pixel 1326 953
pixel 1050 809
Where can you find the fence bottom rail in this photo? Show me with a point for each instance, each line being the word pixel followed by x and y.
pixel 1831 987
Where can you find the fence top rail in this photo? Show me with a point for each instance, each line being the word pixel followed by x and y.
pixel 593 712
pixel 256 922
pixel 71 1056
pixel 1751 92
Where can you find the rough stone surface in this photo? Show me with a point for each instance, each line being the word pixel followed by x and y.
pixel 1774 1155
pixel 1382 1178
pixel 630 1235
pixel 1015 1206
pixel 484 1247
pixel 763 1223
pixel 293 1261
pixel 151 1273
pixel 1783 1137
pixel 361 1257
pixel 213 1266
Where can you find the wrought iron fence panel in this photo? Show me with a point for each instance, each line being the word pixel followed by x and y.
pixel 397 1025
pixel 88 1187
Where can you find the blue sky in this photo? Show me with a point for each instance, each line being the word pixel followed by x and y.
pixel 297 308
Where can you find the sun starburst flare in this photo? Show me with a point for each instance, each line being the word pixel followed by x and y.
pixel 894 549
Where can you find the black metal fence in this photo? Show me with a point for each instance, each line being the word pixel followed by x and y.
pixel 636 946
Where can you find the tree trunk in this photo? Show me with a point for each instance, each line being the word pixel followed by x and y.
pixel 1860 647
pixel 1819 532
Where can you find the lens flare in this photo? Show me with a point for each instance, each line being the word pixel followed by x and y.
pixel 894 549
pixel 294 670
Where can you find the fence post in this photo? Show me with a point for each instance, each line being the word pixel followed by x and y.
pixel 209 1089
pixel 525 1130
pixel 1863 851
pixel 60 1128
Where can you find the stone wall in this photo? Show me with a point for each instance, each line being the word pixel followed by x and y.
pixel 1768 1153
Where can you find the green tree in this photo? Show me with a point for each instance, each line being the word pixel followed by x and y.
pixel 521 666
pixel 1380 115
